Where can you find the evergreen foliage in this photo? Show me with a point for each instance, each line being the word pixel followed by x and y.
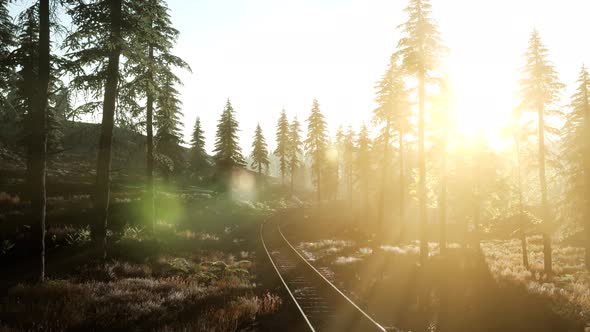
pixel 576 152
pixel 363 164
pixel 7 42
pixel 540 88
pixel 283 144
pixel 259 152
pixel 419 50
pixel 316 144
pixel 228 153
pixel 199 157
pixel 295 149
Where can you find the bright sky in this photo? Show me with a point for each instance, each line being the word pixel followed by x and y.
pixel 266 55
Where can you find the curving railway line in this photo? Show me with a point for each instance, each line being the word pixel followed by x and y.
pixel 322 305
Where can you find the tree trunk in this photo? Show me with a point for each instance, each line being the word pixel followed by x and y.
pixel 385 168
pixel 366 195
pixel 422 172
pixel 103 168
pixel 402 186
pixel 292 180
pixel 475 178
pixel 150 141
pixel 319 179
pixel 39 137
pixel 350 193
pixel 544 203
pixel 587 172
pixel 525 255
pixel 443 195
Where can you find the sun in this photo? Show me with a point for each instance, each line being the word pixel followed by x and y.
pixel 483 103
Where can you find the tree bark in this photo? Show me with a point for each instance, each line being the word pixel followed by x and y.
pixel 475 178
pixel 402 186
pixel 106 134
pixel 525 255
pixel 587 169
pixel 349 175
pixel 422 171
pixel 292 180
pixel 150 141
pixel 385 168
pixel 544 203
pixel 319 184
pixel 443 195
pixel 39 134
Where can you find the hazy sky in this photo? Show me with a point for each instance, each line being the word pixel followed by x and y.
pixel 266 55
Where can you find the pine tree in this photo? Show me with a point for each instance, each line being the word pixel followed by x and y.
pixel 228 153
pixel 348 154
pixel 38 83
pixel 64 109
pixel 339 146
pixel 169 126
pixel 294 150
pixel 156 38
pixel 282 144
pixel 7 42
pixel 516 134
pixel 259 151
pixel 441 121
pixel 419 50
pixel 363 164
pixel 316 144
pixel 26 58
pixel 198 153
pixel 576 150
pixel 95 47
pixel 393 114
pixel 540 89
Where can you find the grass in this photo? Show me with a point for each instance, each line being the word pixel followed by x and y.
pixel 195 273
pixel 569 289
pixel 207 290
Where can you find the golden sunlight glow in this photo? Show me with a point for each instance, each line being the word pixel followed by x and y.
pixel 243 184
pixel 332 155
pixel 483 101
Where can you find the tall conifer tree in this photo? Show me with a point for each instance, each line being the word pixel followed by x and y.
pixel 198 154
pixel 363 164
pixel 540 88
pixel 7 42
pixel 259 151
pixel 228 153
pixel 151 69
pixel 283 144
pixel 419 50
pixel 294 150
pixel 576 146
pixel 392 113
pixel 316 144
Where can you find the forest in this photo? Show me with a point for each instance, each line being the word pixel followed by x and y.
pixel 112 218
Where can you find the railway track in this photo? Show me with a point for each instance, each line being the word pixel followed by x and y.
pixel 323 306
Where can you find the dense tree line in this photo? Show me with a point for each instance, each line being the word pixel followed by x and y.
pixel 119 56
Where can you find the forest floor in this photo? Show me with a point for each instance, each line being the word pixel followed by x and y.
pixel 199 271
pixel 464 291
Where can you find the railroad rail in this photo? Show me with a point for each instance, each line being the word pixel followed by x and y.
pixel 322 305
